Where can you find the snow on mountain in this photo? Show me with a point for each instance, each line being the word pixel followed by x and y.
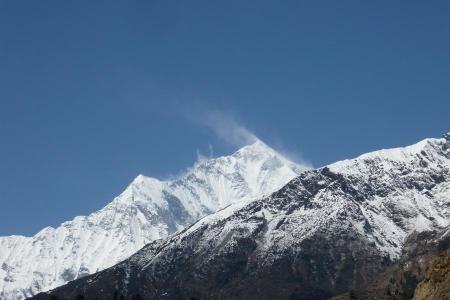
pixel 147 210
pixel 325 232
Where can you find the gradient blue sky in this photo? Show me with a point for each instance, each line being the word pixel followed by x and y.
pixel 93 94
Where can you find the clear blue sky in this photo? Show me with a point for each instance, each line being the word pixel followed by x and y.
pixel 93 94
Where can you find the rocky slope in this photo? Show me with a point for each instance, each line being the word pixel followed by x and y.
pixel 326 232
pixel 436 284
pixel 422 272
pixel 147 210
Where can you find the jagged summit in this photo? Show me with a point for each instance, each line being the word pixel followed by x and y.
pixel 257 151
pixel 138 179
pixel 257 146
pixel 148 209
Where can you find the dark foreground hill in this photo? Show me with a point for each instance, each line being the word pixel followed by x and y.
pixel 422 273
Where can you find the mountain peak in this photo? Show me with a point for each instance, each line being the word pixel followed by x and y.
pixel 138 179
pixel 147 210
pixel 257 147
pixel 258 144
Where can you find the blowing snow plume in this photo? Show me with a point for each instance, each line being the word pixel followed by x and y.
pixel 226 128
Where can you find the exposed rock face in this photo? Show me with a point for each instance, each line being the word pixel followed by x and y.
pixel 147 210
pixel 326 232
pixel 436 284
pixel 420 273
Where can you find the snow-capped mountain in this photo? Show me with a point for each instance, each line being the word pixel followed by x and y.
pixel 327 231
pixel 147 210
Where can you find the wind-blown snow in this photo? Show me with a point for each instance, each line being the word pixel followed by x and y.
pixel 147 210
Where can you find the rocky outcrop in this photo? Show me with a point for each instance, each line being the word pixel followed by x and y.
pixel 420 273
pixel 436 284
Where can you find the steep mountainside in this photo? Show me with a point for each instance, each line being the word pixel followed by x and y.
pixel 422 272
pixel 436 284
pixel 326 232
pixel 147 210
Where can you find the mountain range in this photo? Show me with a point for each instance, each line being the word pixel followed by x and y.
pixel 327 232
